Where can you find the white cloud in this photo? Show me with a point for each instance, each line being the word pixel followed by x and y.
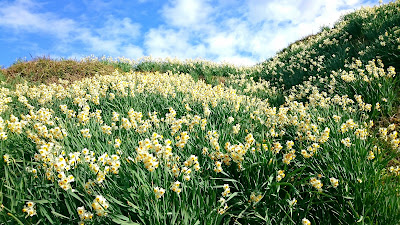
pixel 163 42
pixel 119 28
pixel 222 44
pixel 252 33
pixel 131 51
pixel 20 17
pixel 242 32
pixel 187 13
pixel 113 38
pixel 277 11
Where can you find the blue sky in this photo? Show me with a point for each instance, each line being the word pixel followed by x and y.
pixel 235 31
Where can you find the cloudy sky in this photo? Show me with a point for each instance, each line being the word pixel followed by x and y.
pixel 236 31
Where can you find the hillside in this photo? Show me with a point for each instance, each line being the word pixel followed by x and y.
pixel 309 136
pixel 366 34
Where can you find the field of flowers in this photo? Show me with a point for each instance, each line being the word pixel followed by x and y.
pixel 169 142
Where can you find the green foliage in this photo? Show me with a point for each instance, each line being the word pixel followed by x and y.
pixel 355 35
pixel 257 195
pixel 120 66
pixel 327 94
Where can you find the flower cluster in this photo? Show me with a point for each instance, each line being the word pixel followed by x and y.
pixel 175 187
pixel 224 206
pixel 334 182
pixel 255 198
pixel 159 192
pixel 230 123
pixel 316 183
pixel 29 209
pixel 100 205
pixel 84 215
pixel 7 158
pixel 281 175
pixel 65 181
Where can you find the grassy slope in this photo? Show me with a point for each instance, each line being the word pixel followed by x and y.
pixel 365 35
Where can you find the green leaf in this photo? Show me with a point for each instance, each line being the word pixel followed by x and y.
pixel 348 197
pixel 60 215
pixel 75 196
pixel 44 212
pixel 43 201
pixel 68 206
pixel 112 199
pixel 15 218
pixel 232 195
pixel 123 220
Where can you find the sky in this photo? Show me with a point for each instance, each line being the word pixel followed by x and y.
pixel 241 32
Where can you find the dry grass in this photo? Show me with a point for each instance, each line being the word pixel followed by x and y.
pixel 46 70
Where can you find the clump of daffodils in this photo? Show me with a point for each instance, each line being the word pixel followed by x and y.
pixel 192 161
pixel 288 157
pixel 186 173
pixel 276 148
pixel 159 192
pixel 371 155
pixel 281 175
pixel 175 187
pixel 394 170
pixel 3 136
pixel 218 167
pixel 6 158
pixel 65 181
pixel 227 190
pixel 182 139
pixel 213 137
pixel 250 139
pixel 236 129
pixel 255 198
pixel 84 215
pixel 316 183
pixel 334 182
pixel 106 129
pixel 305 221
pixel 100 205
pixel 86 133
pixel 29 209
pixel 346 142
pixel 117 143
pixel 224 206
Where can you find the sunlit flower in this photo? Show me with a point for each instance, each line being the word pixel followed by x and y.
pixel 334 182
pixel 159 192
pixel 346 142
pixel 117 143
pixel 316 183
pixel 255 198
pixel 29 209
pixel 305 221
pixel 292 202
pixel 281 175
pixel 6 158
